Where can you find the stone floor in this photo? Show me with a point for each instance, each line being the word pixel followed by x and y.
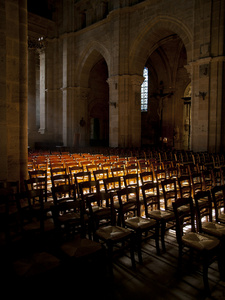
pixel 158 278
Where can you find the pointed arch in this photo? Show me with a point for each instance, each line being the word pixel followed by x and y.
pixel 159 29
pixel 90 56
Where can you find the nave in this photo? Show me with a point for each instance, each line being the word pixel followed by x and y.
pixel 157 275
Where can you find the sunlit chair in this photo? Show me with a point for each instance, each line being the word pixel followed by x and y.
pixel 81 177
pixel 185 188
pixel 196 183
pixel 218 195
pixel 153 209
pixel 206 224
pixel 129 216
pixel 146 177
pixel 100 175
pixel 115 238
pixel 206 247
pixel 169 187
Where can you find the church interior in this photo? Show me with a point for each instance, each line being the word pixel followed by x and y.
pixel 112 156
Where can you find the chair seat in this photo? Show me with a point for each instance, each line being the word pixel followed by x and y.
pixel 101 211
pixel 80 247
pixel 216 229
pixel 35 265
pixel 69 217
pixel 35 225
pixel 113 233
pixel 221 218
pixel 162 215
pixel 200 242
pixel 138 222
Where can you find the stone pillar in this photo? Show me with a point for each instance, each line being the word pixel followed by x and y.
pixel 200 105
pixel 113 112
pixel 215 104
pixel 31 92
pixel 136 82
pixel 42 92
pixel 207 104
pixel 23 92
pixel 13 91
pixel 3 96
pixel 125 110
pixel 80 120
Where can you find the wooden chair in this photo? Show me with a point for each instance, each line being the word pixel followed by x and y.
pixel 73 170
pixel 185 188
pixel 164 217
pixel 43 182
pixel 111 235
pixel 112 184
pixel 196 182
pixel 160 175
pixel 39 183
pixel 169 187
pixel 218 195
pixel 36 226
pixel 9 221
pixel 206 247
pixel 81 177
pixel 129 217
pixel 60 179
pixel 100 175
pixel 208 179
pixel 67 211
pixel 206 224
pixel 26 259
pixel 144 165
pixel 99 211
pixel 118 172
pixel 146 177
pixel 131 169
pixel 77 252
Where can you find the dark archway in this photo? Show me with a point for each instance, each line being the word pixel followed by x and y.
pixel 98 107
pixel 167 81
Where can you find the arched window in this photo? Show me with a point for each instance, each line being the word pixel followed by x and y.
pixel 144 91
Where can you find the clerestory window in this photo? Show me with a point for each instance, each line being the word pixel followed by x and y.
pixel 144 91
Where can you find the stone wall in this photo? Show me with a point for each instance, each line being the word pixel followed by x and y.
pixel 128 34
pixel 13 90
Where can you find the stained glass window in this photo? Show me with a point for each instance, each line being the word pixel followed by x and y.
pixel 144 91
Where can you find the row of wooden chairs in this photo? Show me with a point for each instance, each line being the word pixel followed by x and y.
pixel 124 211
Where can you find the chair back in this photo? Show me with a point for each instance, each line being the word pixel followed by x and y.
pixel 183 216
pixel 203 207
pixel 150 192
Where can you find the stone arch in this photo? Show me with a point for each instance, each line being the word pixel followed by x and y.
pixel 159 28
pixel 93 53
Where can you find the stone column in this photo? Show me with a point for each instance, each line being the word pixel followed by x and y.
pixel 136 82
pixel 23 91
pixel 31 92
pixel 125 110
pixel 13 91
pixel 113 112
pixel 42 92
pixel 200 105
pixel 215 104
pixel 80 121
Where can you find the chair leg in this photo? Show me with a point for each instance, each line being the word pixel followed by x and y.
pixel 157 239
pixel 139 242
pixel 110 259
pixel 205 276
pixel 163 230
pixel 221 260
pixel 132 244
pixel 180 258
